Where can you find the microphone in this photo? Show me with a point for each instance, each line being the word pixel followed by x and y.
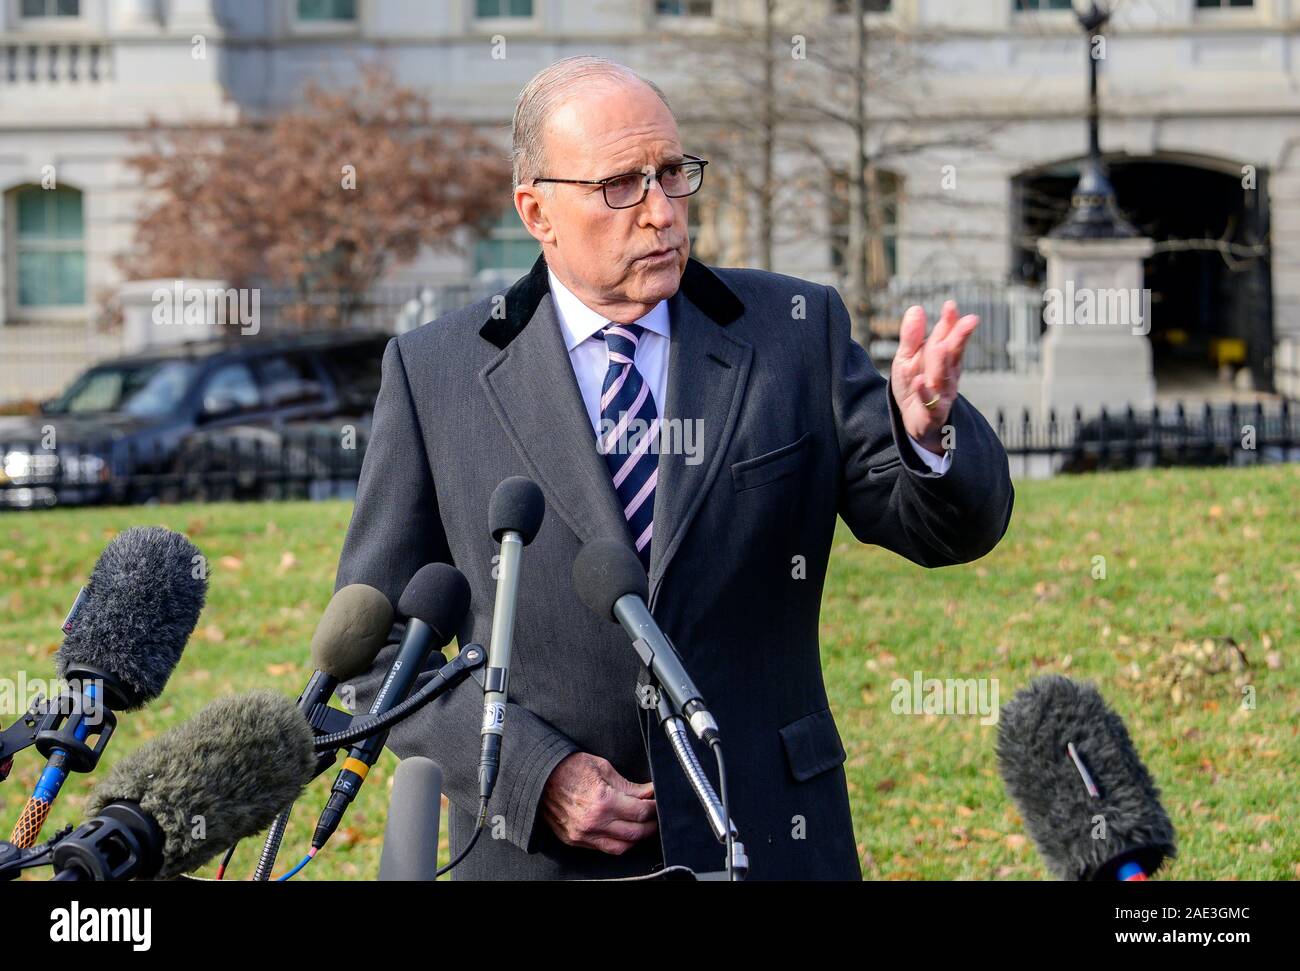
pixel 610 580
pixel 411 834
pixel 436 602
pixel 124 637
pixel 192 792
pixel 351 632
pixel 1087 799
pixel 515 514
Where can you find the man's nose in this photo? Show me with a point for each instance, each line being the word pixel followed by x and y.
pixel 657 209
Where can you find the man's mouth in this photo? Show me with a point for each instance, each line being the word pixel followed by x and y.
pixel 659 255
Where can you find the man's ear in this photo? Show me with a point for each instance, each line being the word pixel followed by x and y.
pixel 530 203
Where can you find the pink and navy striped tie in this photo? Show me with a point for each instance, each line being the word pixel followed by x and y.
pixel 629 428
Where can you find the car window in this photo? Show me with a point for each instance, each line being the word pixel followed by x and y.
pixel 145 390
pixel 231 388
pixel 288 379
pixel 358 368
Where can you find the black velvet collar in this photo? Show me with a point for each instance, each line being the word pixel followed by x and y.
pixel 702 287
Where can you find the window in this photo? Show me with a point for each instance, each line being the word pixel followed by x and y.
pixel 50 8
pixel 357 371
pixel 326 10
pixel 50 245
pixel 882 243
pixel 869 6
pixel 148 389
pixel 684 8
pixel 488 9
pixel 230 390
pixel 289 380
pixel 508 246
pixel 1022 5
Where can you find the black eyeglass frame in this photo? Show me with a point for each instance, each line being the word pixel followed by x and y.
pixel 645 186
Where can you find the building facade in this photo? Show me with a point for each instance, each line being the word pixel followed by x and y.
pixel 1201 131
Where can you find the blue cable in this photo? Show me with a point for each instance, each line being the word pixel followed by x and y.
pixel 301 863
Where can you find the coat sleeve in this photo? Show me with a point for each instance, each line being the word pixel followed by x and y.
pixel 396 528
pixel 887 495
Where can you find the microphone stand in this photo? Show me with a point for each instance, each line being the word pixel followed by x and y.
pixel 736 863
pixel 335 729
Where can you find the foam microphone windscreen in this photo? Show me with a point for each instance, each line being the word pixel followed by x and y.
pixel 411 834
pixel 1080 836
pixel 516 505
pixel 605 570
pixel 352 631
pixel 213 780
pixel 139 608
pixel 438 594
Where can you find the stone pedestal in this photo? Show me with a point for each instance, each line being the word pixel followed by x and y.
pixel 1095 351
pixel 165 312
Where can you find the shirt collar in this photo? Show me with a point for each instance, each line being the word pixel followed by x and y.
pixel 578 322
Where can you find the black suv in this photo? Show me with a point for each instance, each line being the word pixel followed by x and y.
pixel 214 419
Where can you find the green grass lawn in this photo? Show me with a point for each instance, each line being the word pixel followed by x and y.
pixel 1201 568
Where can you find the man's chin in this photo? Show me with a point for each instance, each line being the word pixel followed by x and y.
pixel 658 282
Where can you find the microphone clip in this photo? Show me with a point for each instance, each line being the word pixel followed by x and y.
pixel 15 859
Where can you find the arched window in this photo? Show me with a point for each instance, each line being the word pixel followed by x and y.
pixel 48 248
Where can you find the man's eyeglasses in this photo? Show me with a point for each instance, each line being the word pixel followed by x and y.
pixel 677 179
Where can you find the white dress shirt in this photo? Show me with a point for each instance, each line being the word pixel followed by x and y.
pixel 581 328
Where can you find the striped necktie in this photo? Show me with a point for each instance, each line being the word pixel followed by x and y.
pixel 629 427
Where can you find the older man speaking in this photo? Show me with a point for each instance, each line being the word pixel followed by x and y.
pixel 715 420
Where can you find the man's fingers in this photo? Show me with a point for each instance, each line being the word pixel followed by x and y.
pixel 911 334
pixel 624 831
pixel 935 368
pixel 619 805
pixel 609 845
pixel 947 317
pixel 637 790
pixel 956 342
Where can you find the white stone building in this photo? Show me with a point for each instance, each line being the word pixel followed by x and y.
pixel 1201 129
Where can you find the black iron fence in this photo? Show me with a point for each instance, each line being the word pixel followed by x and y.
pixel 1178 434
pixel 324 461
pixel 317 462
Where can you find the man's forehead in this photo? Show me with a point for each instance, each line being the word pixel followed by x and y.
pixel 602 132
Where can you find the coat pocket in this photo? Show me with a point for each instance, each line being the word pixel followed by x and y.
pixel 812 745
pixel 770 466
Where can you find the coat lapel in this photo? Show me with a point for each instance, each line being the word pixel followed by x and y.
pixel 707 372
pixel 535 396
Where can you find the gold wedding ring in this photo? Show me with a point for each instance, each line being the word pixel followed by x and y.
pixel 929 405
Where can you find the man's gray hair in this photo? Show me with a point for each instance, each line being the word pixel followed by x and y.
pixel 548 90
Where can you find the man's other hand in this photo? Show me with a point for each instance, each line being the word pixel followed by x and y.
pixel 588 804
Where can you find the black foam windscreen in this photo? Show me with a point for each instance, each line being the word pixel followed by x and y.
pixel 438 594
pixel 411 835
pixel 352 631
pixel 1080 836
pixel 213 780
pixel 140 606
pixel 516 505
pixel 605 570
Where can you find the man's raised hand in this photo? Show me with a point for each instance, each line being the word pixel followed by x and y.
pixel 925 372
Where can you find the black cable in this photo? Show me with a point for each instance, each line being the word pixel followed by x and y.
pixel 373 725
pixel 482 819
pixel 716 745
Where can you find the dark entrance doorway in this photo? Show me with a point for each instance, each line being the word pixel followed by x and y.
pixel 1210 279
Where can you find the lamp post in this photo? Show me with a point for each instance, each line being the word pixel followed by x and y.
pixel 1093 212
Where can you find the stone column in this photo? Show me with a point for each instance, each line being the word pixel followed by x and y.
pixel 165 312
pixel 1095 351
